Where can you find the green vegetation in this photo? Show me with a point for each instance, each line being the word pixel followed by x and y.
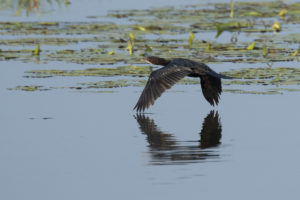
pixel 133 71
pixel 28 88
pixel 116 49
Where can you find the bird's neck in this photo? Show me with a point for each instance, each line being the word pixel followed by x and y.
pixel 160 61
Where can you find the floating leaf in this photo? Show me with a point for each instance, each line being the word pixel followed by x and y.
pixel 28 88
pixel 277 77
pixel 191 38
pixel 207 47
pixel 238 91
pixel 252 13
pixel 141 29
pixel 111 53
pixel 219 29
pixel 295 53
pixel 148 49
pixel 92 50
pixel 251 46
pixel 131 36
pixel 282 13
pixel 231 9
pixel 129 70
pixel 130 43
pixel 130 47
pixel 37 50
pixel 276 27
pixel 264 50
pixel 67 2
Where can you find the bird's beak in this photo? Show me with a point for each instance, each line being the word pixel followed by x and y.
pixel 145 60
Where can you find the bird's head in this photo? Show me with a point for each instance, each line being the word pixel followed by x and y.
pixel 156 60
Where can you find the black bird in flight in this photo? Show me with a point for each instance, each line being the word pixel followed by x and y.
pixel 174 70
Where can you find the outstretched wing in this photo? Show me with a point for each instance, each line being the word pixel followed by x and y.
pixel 211 88
pixel 158 82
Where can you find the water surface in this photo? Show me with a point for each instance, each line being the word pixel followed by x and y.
pixel 86 144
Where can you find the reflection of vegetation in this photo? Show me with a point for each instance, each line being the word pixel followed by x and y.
pixel 30 6
pixel 165 149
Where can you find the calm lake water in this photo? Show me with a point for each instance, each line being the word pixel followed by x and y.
pixel 61 144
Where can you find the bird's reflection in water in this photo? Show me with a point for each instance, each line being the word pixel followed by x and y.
pixel 165 149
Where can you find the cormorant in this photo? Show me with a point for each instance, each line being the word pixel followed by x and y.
pixel 174 70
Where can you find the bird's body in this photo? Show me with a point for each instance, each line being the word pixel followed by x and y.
pixel 174 70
